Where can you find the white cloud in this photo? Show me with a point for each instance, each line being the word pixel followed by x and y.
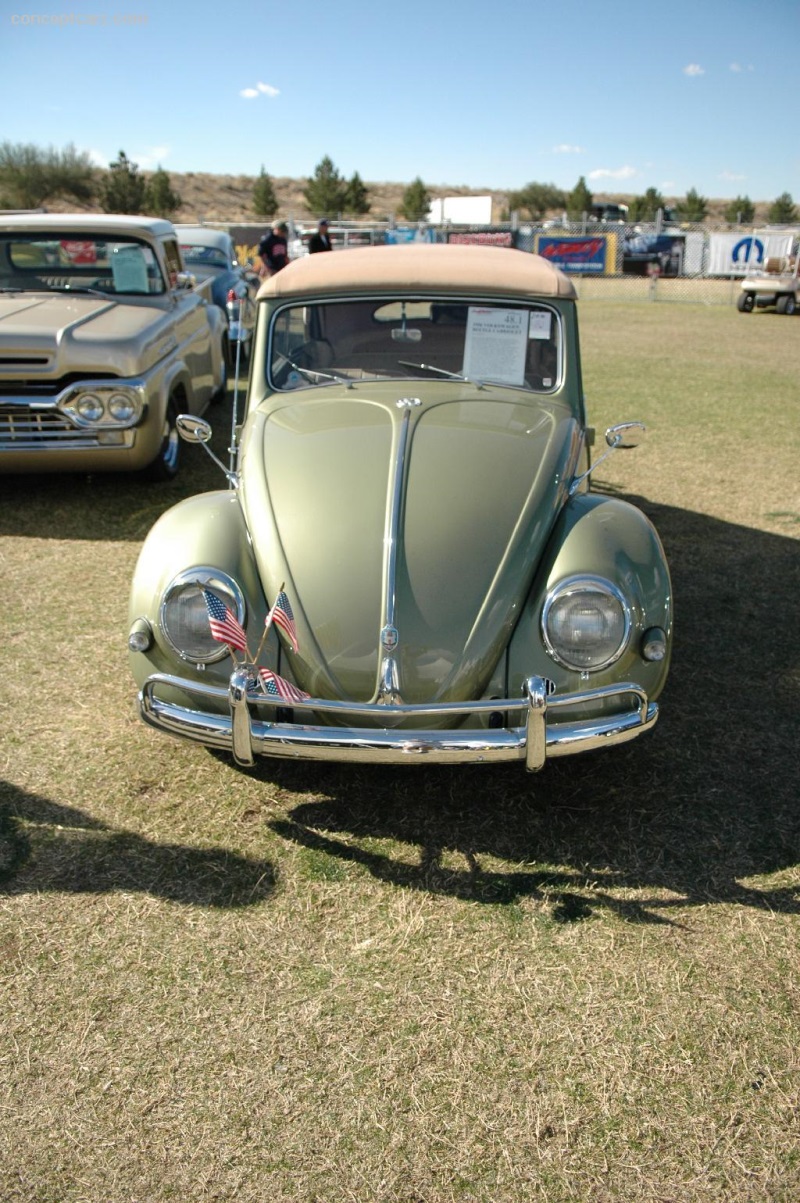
pixel 259 90
pixel 564 148
pixel 613 173
pixel 98 158
pixel 694 69
pixel 737 67
pixel 731 176
pixel 152 156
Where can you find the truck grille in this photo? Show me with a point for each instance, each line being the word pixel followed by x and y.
pixel 23 428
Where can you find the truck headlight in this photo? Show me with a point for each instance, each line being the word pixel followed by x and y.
pixel 183 617
pixel 89 407
pixel 108 405
pixel 121 406
pixel 586 623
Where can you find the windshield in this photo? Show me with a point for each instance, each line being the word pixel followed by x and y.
pixel 65 262
pixel 204 256
pixel 517 345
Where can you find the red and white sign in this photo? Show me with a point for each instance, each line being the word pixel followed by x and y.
pixel 78 252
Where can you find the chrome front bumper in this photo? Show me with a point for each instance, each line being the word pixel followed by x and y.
pixel 538 736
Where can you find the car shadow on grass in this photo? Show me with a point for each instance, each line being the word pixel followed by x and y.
pixel 77 854
pixel 693 813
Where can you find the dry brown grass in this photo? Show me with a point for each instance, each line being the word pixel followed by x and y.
pixel 322 984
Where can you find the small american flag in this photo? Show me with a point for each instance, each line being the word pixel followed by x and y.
pixel 225 626
pixel 279 687
pixel 281 614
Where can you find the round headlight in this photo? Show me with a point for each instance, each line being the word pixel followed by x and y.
pixel 586 623
pixel 89 407
pixel 184 616
pixel 121 407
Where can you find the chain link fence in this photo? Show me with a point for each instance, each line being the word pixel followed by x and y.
pixel 614 261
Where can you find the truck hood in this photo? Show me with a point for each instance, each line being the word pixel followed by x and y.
pixel 475 480
pixel 47 336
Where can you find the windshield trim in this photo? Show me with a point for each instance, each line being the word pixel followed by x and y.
pixel 418 296
pixel 60 277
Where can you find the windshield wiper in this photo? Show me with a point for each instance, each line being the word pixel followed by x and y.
pixel 84 288
pixel 429 367
pixel 320 375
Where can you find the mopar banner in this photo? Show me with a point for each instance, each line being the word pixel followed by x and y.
pixel 591 255
pixel 734 254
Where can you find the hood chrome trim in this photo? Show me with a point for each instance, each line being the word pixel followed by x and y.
pixel 388 690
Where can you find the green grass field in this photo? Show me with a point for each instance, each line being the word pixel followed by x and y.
pixel 333 984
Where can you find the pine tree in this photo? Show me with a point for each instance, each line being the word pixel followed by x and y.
pixel 645 208
pixel 740 210
pixel 579 201
pixel 357 201
pixel 265 202
pixel 693 207
pixel 326 193
pixel 123 189
pixel 159 198
pixel 416 201
pixel 782 211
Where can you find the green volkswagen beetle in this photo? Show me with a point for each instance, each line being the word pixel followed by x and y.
pixel 407 564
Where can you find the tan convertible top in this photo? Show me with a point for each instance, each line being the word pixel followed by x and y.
pixel 426 266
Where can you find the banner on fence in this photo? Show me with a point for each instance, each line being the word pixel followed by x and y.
pixel 588 256
pixel 482 238
pixel 403 234
pixel 735 254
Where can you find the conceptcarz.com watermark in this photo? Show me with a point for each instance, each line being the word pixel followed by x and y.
pixel 71 18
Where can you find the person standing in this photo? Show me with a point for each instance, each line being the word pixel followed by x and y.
pixel 321 240
pixel 273 250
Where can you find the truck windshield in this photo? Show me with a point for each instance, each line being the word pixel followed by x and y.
pixel 516 345
pixel 64 262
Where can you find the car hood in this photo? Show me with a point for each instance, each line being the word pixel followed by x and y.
pixel 404 529
pixel 46 336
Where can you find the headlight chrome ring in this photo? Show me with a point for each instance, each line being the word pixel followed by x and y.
pixel 586 623
pixel 183 616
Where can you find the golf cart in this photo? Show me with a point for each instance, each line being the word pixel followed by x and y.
pixel 778 284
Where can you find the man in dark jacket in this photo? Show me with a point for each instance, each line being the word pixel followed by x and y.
pixel 320 241
pixel 273 250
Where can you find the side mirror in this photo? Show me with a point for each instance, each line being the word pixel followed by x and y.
pixel 622 437
pixel 626 435
pixel 192 429
pixel 186 280
pixel 198 430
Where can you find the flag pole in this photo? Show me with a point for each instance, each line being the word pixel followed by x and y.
pixel 268 624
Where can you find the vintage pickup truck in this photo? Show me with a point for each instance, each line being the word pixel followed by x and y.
pixel 104 340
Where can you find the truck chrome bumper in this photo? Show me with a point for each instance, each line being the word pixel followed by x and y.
pixel 538 736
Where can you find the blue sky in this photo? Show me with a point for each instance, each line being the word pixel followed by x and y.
pixel 628 94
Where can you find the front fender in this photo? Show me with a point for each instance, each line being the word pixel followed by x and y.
pixel 203 531
pixel 607 537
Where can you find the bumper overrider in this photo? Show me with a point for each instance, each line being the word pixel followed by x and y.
pixel 539 733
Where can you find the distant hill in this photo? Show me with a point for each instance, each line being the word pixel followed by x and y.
pixel 229 198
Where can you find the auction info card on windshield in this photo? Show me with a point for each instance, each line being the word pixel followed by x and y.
pixel 495 345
